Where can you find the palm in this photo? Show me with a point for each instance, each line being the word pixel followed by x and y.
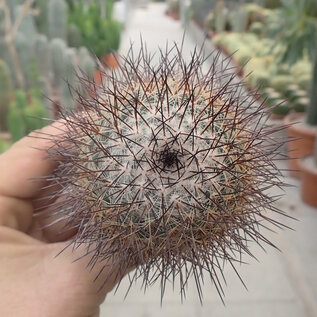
pixel 34 281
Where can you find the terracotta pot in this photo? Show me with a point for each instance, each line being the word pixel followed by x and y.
pixel 97 76
pixel 309 181
pixel 302 143
pixel 109 60
pixel 172 14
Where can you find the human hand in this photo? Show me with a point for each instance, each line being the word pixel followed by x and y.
pixel 33 280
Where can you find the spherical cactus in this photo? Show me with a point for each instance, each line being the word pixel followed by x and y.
pixel 166 169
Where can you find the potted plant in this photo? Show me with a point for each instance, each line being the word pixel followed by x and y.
pixel 99 32
pixel 308 165
pixel 295 28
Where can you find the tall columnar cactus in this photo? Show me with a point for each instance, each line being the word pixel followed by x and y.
pixel 220 17
pixel 70 79
pixel 27 27
pixel 42 18
pixel 239 20
pixel 87 63
pixel 166 168
pixel 27 60
pixel 43 58
pixel 58 48
pixel 74 38
pixel 5 94
pixel 57 19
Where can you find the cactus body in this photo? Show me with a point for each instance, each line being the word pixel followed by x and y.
pixel 239 21
pixel 74 36
pixel 5 94
pixel 57 19
pixel 27 59
pixel 27 27
pixel 166 169
pixel 43 58
pixel 70 79
pixel 58 48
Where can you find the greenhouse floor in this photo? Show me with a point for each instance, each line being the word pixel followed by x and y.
pixel 279 284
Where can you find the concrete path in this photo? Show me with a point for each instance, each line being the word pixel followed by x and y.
pixel 281 284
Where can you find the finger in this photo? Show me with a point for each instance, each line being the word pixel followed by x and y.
pixel 27 160
pixel 15 213
pixel 99 275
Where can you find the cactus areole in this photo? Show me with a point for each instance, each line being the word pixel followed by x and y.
pixel 167 168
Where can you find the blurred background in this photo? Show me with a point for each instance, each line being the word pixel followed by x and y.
pixel 272 46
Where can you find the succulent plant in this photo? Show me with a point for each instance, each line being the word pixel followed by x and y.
pixel 5 94
pixel 167 168
pixel 57 19
pixel 43 58
pixel 58 48
pixel 25 116
pixel 239 20
pixel 16 122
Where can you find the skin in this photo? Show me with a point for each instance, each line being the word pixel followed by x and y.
pixel 34 281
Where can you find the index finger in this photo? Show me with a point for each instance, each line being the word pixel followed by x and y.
pixel 26 160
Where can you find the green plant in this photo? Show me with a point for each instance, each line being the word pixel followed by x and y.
pixel 16 122
pixel 74 38
pixel 281 109
pixel 294 26
pixel 239 20
pixel 102 35
pixel 5 94
pixel 25 116
pixel 57 19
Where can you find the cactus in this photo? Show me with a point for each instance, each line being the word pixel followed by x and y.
pixel 42 18
pixel 257 28
pixel 239 21
pixel 166 168
pixel 5 94
pixel 16 122
pixel 281 109
pixel 74 36
pixel 27 59
pixel 87 64
pixel 220 18
pixel 34 113
pixel 70 79
pixel 301 104
pixel 43 58
pixel 58 48
pixel 27 27
pixel 57 19
pixel 25 116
